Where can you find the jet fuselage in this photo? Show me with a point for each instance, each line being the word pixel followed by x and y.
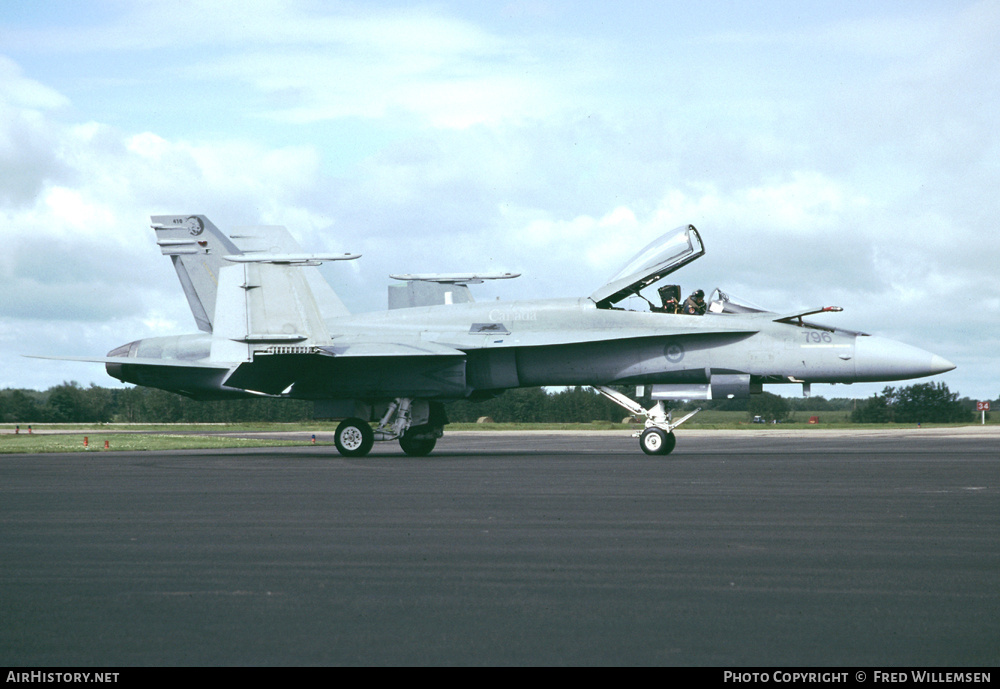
pixel 557 342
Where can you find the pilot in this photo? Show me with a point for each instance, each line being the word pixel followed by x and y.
pixel 695 304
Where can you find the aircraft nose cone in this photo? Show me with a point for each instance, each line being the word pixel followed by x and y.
pixel 878 358
pixel 940 365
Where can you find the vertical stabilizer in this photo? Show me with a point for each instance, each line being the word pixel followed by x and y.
pixel 265 308
pixel 277 240
pixel 196 247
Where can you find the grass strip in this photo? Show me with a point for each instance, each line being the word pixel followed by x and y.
pixel 131 442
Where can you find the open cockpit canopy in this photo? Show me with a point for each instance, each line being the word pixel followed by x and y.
pixel 663 256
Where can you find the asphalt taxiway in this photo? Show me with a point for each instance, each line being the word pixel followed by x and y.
pixel 740 549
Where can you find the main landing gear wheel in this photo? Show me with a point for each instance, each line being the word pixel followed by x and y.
pixel 354 438
pixel 656 441
pixel 416 447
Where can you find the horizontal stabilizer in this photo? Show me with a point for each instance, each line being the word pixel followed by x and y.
pixel 138 361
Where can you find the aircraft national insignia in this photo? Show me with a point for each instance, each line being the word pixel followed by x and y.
pixel 674 352
pixel 195 226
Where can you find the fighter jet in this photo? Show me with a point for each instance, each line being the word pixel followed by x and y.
pixel 271 325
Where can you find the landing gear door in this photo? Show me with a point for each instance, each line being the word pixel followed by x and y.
pixel 663 256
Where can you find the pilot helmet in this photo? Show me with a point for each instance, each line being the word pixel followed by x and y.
pixel 698 294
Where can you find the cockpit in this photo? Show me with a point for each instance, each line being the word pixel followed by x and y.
pixel 660 258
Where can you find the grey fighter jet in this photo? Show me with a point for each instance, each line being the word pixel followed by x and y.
pixel 271 325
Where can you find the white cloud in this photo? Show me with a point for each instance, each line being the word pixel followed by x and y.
pixel 18 91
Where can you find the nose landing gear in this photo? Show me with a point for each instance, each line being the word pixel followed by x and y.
pixel 656 441
pixel 658 437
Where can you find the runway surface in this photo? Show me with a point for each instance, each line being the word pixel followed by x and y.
pixel 528 549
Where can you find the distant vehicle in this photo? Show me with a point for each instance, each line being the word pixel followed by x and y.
pixel 759 419
pixel 272 326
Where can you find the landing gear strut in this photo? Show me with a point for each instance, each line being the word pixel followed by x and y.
pixel 658 437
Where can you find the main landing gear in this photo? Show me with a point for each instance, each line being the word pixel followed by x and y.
pixel 354 438
pixel 416 424
pixel 658 437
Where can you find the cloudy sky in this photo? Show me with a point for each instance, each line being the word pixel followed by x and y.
pixel 835 152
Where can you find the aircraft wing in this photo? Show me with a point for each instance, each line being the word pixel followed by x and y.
pixel 455 278
pixel 290 259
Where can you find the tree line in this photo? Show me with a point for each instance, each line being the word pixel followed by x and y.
pixel 925 402
pixel 72 403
